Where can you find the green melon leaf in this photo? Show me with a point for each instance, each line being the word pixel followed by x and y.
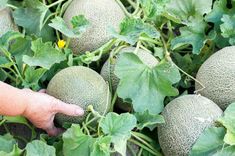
pixel 229 138
pixel 101 146
pixel 228 28
pixel 20 47
pixel 16 151
pixel 45 55
pixel 39 148
pixel 187 10
pixel 77 143
pixel 3 75
pixel 80 23
pixel 210 141
pixel 146 87
pixel 227 151
pixel 193 34
pixel 16 119
pixel 8 37
pixel 119 128
pixel 25 17
pixel 32 77
pixel 3 4
pixel 7 143
pixel 153 8
pixel 132 29
pixel 4 63
pixel 228 121
pixel 146 119
pixel 219 9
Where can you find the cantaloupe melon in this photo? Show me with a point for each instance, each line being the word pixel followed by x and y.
pixel 217 74
pixel 6 21
pixel 107 71
pixel 186 118
pixel 81 86
pixel 101 14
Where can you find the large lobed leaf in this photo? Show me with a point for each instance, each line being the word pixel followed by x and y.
pixel 8 146
pixel 153 8
pixel 186 10
pixel 77 143
pixel 146 87
pixel 193 34
pixel 119 128
pixel 132 29
pixel 228 28
pixel 228 122
pixel 39 148
pixel 32 16
pixel 220 8
pixel 80 23
pixel 146 119
pixel 210 141
pixel 45 55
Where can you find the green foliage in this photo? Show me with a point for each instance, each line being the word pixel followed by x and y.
pixel 227 120
pixel 119 128
pixel 79 23
pixel 181 34
pixel 187 10
pixel 3 4
pixel 135 76
pixel 75 141
pixel 25 17
pixel 193 34
pixel 8 146
pixel 226 151
pixel 133 29
pixel 45 55
pixel 209 142
pixel 227 28
pixel 146 119
pixel 39 148
pixel 153 8
pixel 218 141
pixel 215 16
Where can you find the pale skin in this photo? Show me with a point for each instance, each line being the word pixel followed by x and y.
pixel 14 102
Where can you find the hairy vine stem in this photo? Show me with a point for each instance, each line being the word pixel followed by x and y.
pixel 154 152
pixel 55 3
pixel 123 8
pixel 133 4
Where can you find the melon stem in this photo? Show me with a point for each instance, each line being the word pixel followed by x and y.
pixel 123 8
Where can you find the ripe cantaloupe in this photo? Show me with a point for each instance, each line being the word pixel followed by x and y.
pixel 6 21
pixel 107 71
pixel 186 118
pixel 81 86
pixel 217 74
pixel 101 14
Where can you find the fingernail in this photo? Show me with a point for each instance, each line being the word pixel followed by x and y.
pixel 79 112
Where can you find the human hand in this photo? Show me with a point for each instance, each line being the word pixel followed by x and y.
pixel 41 109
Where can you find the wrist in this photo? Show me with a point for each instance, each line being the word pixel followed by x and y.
pixel 25 101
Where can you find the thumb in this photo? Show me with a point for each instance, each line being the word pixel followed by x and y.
pixel 67 109
pixel 53 131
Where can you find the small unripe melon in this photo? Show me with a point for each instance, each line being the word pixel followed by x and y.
pixel 217 74
pixel 186 118
pixel 101 14
pixel 80 86
pixel 107 71
pixel 6 21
